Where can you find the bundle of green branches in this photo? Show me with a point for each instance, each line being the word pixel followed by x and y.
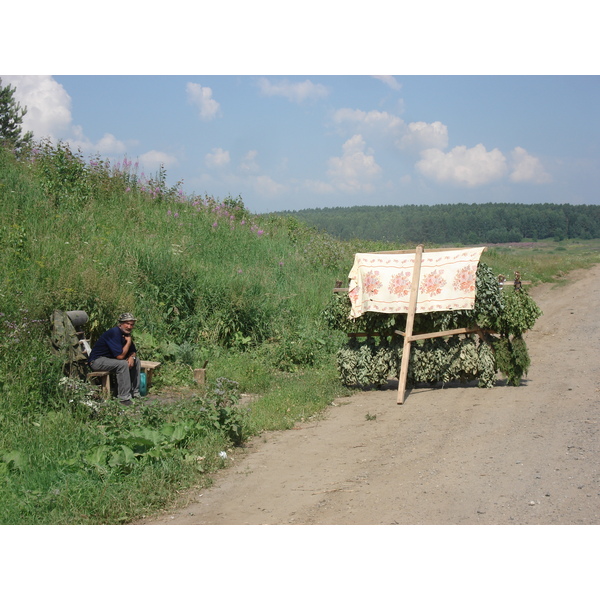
pixel 502 315
pixel 375 361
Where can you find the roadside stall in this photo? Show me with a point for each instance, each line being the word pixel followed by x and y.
pixel 429 317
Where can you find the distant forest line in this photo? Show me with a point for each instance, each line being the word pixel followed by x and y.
pixel 456 223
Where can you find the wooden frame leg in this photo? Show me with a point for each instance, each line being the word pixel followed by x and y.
pixel 106 383
pixel 412 305
pixel 104 377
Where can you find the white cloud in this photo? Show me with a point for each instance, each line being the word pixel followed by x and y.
pixel 48 104
pixel 106 146
pixel 295 92
pixel 154 159
pixel 249 163
pixel 356 169
pixel 422 136
pixel 263 184
pixel 469 167
pixel 407 137
pixel 217 158
pixel 109 144
pixel 49 114
pixel 318 187
pixel 527 168
pixel 390 81
pixel 372 121
pixel 201 97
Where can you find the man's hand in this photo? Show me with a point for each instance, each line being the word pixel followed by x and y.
pixel 131 361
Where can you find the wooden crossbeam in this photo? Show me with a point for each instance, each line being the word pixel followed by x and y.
pixel 434 334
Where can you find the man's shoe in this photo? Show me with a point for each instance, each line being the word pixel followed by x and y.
pixel 125 402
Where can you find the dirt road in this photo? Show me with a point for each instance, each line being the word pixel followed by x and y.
pixel 459 455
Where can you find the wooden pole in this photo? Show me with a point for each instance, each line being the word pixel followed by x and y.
pixel 200 376
pixel 412 305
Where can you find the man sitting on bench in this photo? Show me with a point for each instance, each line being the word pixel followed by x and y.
pixel 115 352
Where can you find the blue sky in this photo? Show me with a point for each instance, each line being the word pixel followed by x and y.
pixel 293 142
pixel 286 109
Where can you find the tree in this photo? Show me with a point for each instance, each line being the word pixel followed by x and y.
pixel 11 118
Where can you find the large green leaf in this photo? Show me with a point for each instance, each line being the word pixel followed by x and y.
pixel 98 456
pixel 141 439
pixel 122 457
pixel 175 433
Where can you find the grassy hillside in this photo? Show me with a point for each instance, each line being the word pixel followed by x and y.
pixel 208 281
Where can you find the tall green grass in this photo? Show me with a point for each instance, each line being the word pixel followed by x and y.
pixel 207 281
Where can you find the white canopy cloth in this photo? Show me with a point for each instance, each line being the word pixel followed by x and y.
pixel 382 282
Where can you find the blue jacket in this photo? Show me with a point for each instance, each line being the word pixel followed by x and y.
pixel 110 344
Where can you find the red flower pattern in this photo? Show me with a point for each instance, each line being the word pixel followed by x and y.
pixel 372 282
pixel 465 279
pixel 400 284
pixel 433 283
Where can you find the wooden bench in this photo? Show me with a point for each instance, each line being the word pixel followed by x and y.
pixel 104 377
pixel 146 366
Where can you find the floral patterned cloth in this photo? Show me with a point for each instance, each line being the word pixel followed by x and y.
pixel 382 282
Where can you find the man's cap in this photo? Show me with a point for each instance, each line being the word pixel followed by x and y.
pixel 126 317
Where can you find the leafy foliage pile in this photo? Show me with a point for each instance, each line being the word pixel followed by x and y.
pixel 503 315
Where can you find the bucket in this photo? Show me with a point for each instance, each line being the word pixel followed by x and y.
pixel 143 385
